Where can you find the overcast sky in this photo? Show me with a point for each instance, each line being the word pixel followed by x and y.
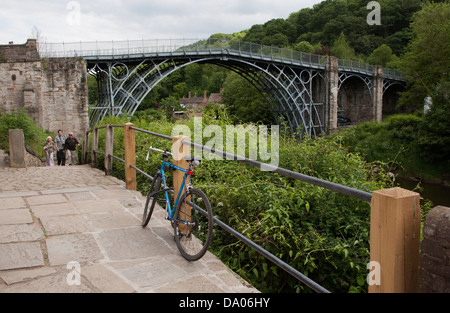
pixel 90 20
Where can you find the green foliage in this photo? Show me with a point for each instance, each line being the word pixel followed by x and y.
pixel 325 22
pixel 435 132
pixel 244 102
pixel 34 135
pixel 406 143
pixel 169 105
pixel 321 233
pixel 342 50
pixel 383 56
pixel 318 232
pixel 427 59
pixel 305 46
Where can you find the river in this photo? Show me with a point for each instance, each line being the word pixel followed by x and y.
pixel 438 194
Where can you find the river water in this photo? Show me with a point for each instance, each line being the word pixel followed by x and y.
pixel 438 194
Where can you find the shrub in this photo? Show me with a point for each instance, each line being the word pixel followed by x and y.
pixel 34 135
pixel 407 143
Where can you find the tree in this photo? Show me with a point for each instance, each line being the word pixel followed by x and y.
pixel 302 18
pixel 427 60
pixel 277 40
pixel 244 102
pixel 435 132
pixel 281 26
pixel 170 104
pixel 382 56
pixel 342 50
pixel 305 46
pixel 40 39
pixel 255 34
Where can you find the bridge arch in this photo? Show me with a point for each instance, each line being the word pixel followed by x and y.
pixel 391 94
pixel 288 91
pixel 355 99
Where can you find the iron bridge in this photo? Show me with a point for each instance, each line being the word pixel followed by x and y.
pixel 291 82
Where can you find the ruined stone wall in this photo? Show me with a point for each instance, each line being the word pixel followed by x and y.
pixel 434 273
pixel 52 91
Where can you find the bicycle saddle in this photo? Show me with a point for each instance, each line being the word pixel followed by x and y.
pixel 191 158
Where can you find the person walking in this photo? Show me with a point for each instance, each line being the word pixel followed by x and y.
pixel 48 150
pixel 71 144
pixel 60 141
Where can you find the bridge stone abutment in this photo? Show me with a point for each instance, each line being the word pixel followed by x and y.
pixel 332 92
pixel 377 93
pixel 53 91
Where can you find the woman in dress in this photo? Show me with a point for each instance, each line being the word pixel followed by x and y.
pixel 48 150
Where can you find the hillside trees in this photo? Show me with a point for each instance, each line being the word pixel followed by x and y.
pixel 427 60
pixel 324 23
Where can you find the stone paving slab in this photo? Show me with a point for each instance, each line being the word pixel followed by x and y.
pixel 20 255
pixel 85 218
pixel 20 233
pixel 95 206
pixel 18 276
pixel 46 199
pixel 15 216
pixel 12 203
pixel 77 247
pixel 105 279
pixel 63 225
pixel 58 209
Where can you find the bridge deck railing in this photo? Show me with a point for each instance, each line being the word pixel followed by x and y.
pixel 118 50
pixel 394 222
pixel 130 49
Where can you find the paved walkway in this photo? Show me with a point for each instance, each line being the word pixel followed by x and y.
pixel 52 219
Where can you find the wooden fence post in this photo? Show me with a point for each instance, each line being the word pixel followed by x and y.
pixel 394 241
pixel 109 145
pixel 130 156
pixel 179 151
pixel 94 148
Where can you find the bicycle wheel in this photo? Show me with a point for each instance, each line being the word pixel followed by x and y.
pixel 193 237
pixel 152 198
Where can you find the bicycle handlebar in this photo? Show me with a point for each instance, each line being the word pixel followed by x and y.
pixel 156 150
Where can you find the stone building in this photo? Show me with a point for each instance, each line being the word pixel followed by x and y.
pixel 52 91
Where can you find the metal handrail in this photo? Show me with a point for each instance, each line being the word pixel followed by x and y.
pixel 363 195
pixel 366 196
pixel 172 47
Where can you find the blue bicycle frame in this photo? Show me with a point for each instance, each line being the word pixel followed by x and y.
pixel 171 210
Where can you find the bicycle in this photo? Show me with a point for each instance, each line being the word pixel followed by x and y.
pixel 190 215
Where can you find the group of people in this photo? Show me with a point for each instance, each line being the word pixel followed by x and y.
pixel 65 148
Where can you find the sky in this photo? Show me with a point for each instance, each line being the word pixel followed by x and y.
pixel 103 20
